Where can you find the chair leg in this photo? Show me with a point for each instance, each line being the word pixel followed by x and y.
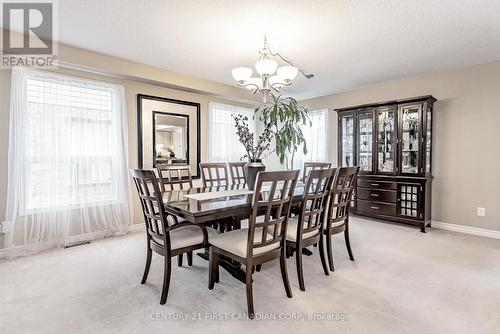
pixel 348 242
pixel 213 275
pixel 329 251
pixel 322 255
pixel 249 292
pixel 258 267
pixel 148 265
pixel 179 260
pixel 166 279
pixel 284 275
pixel 300 272
pixel 190 258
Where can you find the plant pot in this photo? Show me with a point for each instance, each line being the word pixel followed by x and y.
pixel 252 168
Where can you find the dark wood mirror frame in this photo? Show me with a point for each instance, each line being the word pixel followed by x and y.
pixel 140 130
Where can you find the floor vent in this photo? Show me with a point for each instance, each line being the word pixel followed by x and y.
pixel 77 243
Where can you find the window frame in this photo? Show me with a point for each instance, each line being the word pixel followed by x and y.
pixel 26 205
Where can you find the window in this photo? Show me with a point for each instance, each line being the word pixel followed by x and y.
pixel 223 143
pixel 71 143
pixel 316 140
pixel 68 160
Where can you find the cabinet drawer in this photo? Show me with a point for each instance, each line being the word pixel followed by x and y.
pixel 377 195
pixel 378 208
pixel 366 183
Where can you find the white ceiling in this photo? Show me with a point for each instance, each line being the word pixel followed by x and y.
pixel 346 44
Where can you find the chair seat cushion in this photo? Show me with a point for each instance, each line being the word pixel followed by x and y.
pixel 172 220
pixel 235 242
pixel 291 231
pixel 186 236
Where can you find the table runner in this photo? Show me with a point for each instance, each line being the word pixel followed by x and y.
pixel 218 194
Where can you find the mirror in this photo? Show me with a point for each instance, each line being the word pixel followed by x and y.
pixel 170 138
pixel 168 132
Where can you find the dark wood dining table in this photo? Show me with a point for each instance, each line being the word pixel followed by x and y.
pixel 236 207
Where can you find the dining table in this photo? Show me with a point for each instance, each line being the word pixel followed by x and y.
pixel 207 205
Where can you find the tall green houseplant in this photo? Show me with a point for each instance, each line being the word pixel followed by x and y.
pixel 284 116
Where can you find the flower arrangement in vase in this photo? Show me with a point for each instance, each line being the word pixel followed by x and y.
pixel 254 152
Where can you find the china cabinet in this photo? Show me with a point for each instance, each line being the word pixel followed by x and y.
pixel 392 143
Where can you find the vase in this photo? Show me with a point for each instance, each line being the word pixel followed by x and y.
pixel 252 168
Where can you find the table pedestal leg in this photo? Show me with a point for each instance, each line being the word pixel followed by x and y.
pixel 306 252
pixel 232 267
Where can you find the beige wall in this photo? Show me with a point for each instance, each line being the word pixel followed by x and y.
pixel 137 79
pixel 466 149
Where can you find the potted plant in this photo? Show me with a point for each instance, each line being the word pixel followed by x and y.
pixel 283 116
pixel 255 153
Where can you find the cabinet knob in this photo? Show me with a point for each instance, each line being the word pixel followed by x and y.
pixel 374 207
pixel 374 195
pixel 375 184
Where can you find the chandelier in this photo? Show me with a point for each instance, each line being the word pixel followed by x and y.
pixel 271 78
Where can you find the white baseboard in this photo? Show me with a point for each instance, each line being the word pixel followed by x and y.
pixel 76 238
pixel 467 229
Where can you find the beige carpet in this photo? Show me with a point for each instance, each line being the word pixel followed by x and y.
pixel 403 281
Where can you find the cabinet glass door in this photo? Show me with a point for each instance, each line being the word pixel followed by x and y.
pixel 428 143
pixel 365 143
pixel 386 127
pixel 410 139
pixel 409 200
pixel 347 144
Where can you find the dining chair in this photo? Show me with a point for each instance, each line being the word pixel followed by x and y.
pixel 308 166
pixel 237 172
pixel 338 210
pixel 313 166
pixel 304 230
pixel 264 239
pixel 176 177
pixel 214 174
pixel 162 238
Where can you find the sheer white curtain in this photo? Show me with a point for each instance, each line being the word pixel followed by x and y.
pixel 68 161
pixel 223 143
pixel 316 140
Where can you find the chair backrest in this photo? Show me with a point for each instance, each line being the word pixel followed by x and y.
pixel 214 174
pixel 341 194
pixel 272 198
pixel 172 175
pixel 152 205
pixel 313 166
pixel 237 172
pixel 314 200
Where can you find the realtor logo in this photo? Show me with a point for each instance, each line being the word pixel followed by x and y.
pixel 28 33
